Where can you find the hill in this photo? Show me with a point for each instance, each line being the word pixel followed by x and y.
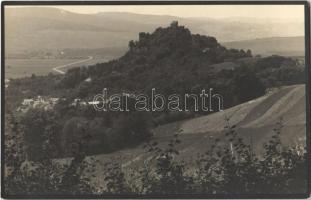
pixel 255 121
pixel 285 46
pixel 170 60
pixel 173 60
pixel 31 29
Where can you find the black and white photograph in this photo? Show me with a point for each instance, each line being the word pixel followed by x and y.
pixel 155 99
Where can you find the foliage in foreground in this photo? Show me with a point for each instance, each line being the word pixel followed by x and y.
pixel 223 169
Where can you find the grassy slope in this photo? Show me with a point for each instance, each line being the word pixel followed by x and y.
pixel 255 121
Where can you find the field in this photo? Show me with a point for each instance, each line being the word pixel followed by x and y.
pixel 18 68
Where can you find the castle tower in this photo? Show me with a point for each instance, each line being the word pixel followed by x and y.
pixel 174 24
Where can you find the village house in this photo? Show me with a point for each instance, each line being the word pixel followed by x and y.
pixel 38 102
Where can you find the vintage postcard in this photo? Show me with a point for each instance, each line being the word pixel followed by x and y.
pixel 155 99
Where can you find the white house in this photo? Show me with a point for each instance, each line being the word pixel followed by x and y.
pixel 27 102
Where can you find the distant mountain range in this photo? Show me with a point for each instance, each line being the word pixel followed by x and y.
pixel 41 28
pixel 286 46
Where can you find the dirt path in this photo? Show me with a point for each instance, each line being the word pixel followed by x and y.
pixel 57 69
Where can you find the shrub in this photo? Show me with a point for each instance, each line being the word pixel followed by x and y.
pixel 130 129
pixel 220 170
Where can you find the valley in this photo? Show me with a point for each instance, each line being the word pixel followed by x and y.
pixel 19 68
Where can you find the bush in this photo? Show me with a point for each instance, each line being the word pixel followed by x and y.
pixel 40 128
pixel 42 176
pixel 224 170
pixel 130 129
pixel 220 170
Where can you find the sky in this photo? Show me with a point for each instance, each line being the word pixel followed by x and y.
pixel 286 12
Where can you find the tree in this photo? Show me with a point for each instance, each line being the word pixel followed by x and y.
pixel 130 129
pixel 131 45
pixel 246 85
pixel 74 132
pixel 249 53
pixel 38 126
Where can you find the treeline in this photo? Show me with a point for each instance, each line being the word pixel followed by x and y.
pixel 50 131
pixel 218 170
pixel 275 71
